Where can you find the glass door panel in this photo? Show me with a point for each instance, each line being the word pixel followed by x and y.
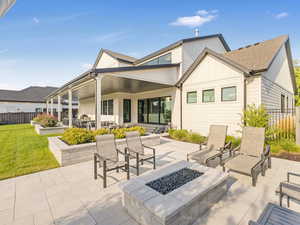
pixel 154 110
pixel 126 110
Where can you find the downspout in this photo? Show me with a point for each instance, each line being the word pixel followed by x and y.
pixel 180 88
pixel 245 92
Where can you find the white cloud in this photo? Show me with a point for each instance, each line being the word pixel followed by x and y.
pixel 35 20
pixel 3 51
pixel 201 17
pixel 86 66
pixel 281 15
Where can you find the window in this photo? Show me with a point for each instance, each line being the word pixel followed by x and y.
pixel 191 97
pixel 155 110
pixel 282 103
pixel 107 107
pixel 126 110
pixel 287 102
pixel 165 59
pixel 208 95
pixel 228 94
pixel 39 110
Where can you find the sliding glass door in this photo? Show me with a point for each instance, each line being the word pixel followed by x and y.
pixel 155 110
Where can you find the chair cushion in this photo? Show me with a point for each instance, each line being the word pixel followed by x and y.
pixel 291 189
pixel 202 155
pixel 242 163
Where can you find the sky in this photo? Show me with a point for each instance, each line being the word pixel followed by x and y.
pixel 49 42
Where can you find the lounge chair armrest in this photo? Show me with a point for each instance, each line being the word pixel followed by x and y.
pixel 253 223
pixel 153 149
pixel 201 145
pixel 99 157
pixel 267 151
pixel 131 150
pixel 292 174
pixel 235 150
pixel 226 147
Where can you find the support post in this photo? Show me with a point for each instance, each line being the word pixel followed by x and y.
pixel 70 113
pixel 98 102
pixel 51 106
pixel 297 125
pixel 47 106
pixel 59 108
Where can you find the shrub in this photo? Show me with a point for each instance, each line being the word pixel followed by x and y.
pixel 99 132
pixel 180 135
pixel 74 136
pixel 46 120
pixel 195 138
pixel 120 132
pixel 284 145
pixel 236 141
pixel 255 116
pixel 141 130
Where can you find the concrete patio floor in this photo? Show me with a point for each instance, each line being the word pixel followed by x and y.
pixel 70 195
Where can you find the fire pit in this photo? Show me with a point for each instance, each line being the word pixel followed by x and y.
pixel 176 194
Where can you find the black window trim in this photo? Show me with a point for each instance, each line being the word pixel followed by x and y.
pixel 211 89
pixel 235 96
pixel 187 95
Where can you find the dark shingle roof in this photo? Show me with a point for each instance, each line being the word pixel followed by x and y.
pixel 257 57
pixel 30 94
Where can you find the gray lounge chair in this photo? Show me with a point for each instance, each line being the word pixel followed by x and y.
pixel 215 146
pixel 289 189
pixel 250 158
pixel 274 214
pixel 107 156
pixel 136 150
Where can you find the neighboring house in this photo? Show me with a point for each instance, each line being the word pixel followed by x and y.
pixel 31 99
pixel 189 84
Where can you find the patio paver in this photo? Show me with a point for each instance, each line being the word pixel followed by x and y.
pixel 70 195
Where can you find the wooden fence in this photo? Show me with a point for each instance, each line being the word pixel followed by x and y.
pixel 17 117
pixel 283 123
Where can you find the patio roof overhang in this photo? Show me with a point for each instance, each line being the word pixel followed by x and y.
pixel 5 5
pixel 121 79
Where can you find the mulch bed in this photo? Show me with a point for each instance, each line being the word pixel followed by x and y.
pixel 288 155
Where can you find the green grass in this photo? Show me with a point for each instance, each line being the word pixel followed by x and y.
pixel 22 151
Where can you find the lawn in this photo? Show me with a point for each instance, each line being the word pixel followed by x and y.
pixel 22 151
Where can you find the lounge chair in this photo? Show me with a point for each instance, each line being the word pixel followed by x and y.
pixel 289 189
pixel 215 146
pixel 107 156
pixel 250 158
pixel 274 214
pixel 136 150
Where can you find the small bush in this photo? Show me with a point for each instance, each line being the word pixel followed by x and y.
pixel 195 138
pixel 236 141
pixel 284 145
pixel 180 135
pixel 74 136
pixel 101 131
pixel 46 120
pixel 171 132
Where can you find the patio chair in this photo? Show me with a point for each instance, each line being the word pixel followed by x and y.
pixel 136 150
pixel 289 189
pixel 215 146
pixel 274 214
pixel 250 158
pixel 107 156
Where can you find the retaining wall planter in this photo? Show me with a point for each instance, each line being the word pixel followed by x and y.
pixel 49 130
pixel 33 123
pixel 72 154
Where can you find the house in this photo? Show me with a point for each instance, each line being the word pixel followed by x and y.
pixel 31 99
pixel 189 84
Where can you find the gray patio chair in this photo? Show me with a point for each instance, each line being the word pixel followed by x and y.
pixel 215 146
pixel 107 156
pixel 250 158
pixel 136 150
pixel 289 189
pixel 274 214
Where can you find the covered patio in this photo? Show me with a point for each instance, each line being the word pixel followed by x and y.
pixel 124 96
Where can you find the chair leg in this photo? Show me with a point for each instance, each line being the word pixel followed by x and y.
pixel 254 179
pixel 137 165
pixel 223 168
pixel 95 167
pixel 142 162
pixel 154 162
pixel 280 199
pixel 187 158
pixel 288 201
pixel 269 163
pixel 128 173
pixel 104 175
pixel 263 171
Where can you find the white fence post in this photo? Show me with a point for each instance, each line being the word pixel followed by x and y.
pixel 297 120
